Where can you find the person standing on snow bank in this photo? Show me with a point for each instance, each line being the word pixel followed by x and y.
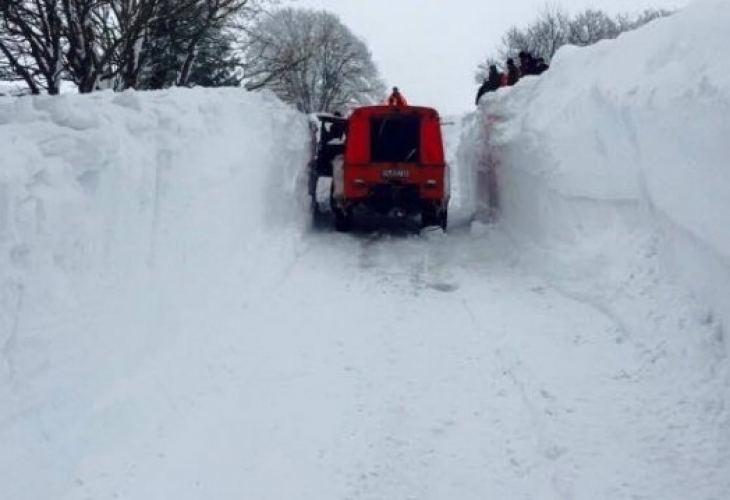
pixel 397 99
pixel 512 75
pixel 528 64
pixel 491 83
pixel 540 66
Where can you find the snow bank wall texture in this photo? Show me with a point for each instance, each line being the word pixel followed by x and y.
pixel 620 137
pixel 97 185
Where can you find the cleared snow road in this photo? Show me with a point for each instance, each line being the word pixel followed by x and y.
pixel 353 367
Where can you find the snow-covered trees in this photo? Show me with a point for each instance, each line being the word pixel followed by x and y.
pixel 554 27
pixel 117 43
pixel 311 60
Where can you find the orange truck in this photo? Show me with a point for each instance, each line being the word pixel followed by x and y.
pixel 393 164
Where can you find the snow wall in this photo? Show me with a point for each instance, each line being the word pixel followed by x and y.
pixel 627 164
pixel 94 188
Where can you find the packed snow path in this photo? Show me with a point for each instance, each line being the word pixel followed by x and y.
pixel 347 366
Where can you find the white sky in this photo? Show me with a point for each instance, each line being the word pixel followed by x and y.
pixel 431 48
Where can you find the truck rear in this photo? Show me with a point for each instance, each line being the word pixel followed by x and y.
pixel 393 164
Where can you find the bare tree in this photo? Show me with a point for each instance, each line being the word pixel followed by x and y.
pixel 542 38
pixel 42 40
pixel 591 26
pixel 31 43
pixel 554 28
pixel 87 41
pixel 210 14
pixel 272 51
pixel 548 33
pixel 311 60
pixel 143 27
pixel 628 22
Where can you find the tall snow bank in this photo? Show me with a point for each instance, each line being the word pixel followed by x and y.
pixel 618 152
pixel 101 187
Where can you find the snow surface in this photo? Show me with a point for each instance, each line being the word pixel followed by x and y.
pixel 171 328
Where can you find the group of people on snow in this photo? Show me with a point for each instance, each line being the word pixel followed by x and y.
pixel 495 79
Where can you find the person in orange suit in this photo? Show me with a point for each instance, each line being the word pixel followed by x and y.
pixel 396 98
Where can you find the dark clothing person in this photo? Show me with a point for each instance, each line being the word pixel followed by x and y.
pixel 513 74
pixel 482 90
pixel 491 83
pixel 494 77
pixel 528 64
pixel 337 128
pixel 540 66
pixel 336 131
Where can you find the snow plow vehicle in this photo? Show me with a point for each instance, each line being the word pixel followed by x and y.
pixel 392 163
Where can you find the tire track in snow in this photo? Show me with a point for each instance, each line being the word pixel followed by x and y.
pixel 407 458
pixel 420 261
pixel 9 344
pixel 520 379
pixel 400 455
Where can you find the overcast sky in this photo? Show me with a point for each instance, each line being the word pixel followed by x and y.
pixel 431 48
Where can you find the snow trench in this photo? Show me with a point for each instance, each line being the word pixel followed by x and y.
pixel 626 165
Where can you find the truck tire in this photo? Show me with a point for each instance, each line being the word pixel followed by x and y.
pixel 343 220
pixel 319 218
pixel 432 216
pixel 429 216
